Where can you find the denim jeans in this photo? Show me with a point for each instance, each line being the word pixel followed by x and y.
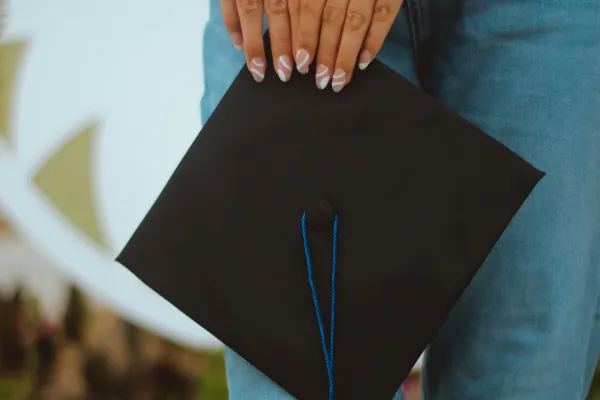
pixel 528 73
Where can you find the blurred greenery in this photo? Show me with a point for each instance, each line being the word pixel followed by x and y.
pixel 30 348
pixel 213 384
pixel 14 389
pixel 33 352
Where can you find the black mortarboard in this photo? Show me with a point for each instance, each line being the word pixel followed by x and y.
pixel 415 196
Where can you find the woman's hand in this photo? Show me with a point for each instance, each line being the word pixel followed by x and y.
pixel 341 33
pixel 243 19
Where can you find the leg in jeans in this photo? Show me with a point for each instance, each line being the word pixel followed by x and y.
pixel 528 73
pixel 222 64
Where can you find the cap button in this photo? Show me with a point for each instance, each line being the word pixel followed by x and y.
pixel 319 215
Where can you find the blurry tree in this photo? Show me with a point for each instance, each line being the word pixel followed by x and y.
pixel 170 383
pixel 46 348
pixel 13 352
pixel 134 382
pixel 41 360
pixel 75 316
pixel 132 340
pixel 101 381
pixel 31 318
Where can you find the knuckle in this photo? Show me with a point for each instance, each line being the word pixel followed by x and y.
pixel 311 7
pixel 277 7
pixel 355 20
pixel 382 13
pixel 249 5
pixel 331 14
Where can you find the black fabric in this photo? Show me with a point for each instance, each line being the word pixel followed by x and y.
pixel 421 194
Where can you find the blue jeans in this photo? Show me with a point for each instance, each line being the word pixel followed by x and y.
pixel 528 73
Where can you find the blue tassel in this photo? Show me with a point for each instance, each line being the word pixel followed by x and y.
pixel 327 350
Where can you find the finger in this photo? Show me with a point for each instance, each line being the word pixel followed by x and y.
pixel 332 24
pixel 281 38
pixel 232 22
pixel 356 26
pixel 311 13
pixel 294 9
pixel 384 14
pixel 250 13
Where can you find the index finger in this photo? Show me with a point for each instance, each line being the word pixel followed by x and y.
pixel 358 19
pixel 384 14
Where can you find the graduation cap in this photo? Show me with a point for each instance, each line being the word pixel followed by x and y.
pixel 304 228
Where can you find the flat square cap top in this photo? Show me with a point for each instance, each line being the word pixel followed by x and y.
pixel 420 197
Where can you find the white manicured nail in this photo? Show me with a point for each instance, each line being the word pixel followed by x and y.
pixel 339 80
pixel 284 68
pixel 322 76
pixel 236 37
pixel 257 68
pixel 302 58
pixel 364 60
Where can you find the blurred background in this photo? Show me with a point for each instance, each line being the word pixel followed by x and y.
pixel 98 103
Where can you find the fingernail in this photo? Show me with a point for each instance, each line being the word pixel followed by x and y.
pixel 284 68
pixel 236 38
pixel 302 58
pixel 364 60
pixel 257 68
pixel 339 80
pixel 322 76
